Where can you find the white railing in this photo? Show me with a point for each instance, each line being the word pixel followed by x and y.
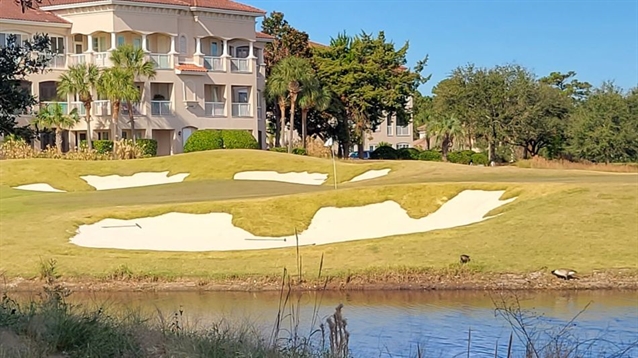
pixel 241 110
pixel 58 61
pixel 64 105
pixel 101 59
pixel 161 60
pixel 214 109
pixel 77 59
pixel 160 108
pixel 239 65
pixel 213 63
pixel 390 130
pixel 124 108
pixel 80 107
pixel 403 131
pixel 102 107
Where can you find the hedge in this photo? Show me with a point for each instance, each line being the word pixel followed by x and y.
pixel 206 139
pixel 480 158
pixel 238 139
pixel 431 156
pixel 149 146
pixel 384 152
pixel 408 153
pixel 460 157
pixel 101 146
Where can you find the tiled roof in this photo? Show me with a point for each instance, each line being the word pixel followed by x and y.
pixel 261 35
pixel 211 4
pixel 313 44
pixel 12 11
pixel 189 67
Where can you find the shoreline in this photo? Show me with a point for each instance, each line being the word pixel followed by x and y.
pixel 534 281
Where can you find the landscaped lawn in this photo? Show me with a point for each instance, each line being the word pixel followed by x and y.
pixel 577 219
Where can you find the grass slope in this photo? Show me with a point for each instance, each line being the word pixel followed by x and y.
pixel 582 220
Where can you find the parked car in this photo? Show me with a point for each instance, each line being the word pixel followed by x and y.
pixel 355 155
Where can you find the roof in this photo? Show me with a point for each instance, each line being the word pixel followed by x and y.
pixel 209 4
pixel 313 44
pixel 12 11
pixel 261 35
pixel 189 67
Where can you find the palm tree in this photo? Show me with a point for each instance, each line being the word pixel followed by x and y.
pixel 132 60
pixel 53 116
pixel 277 91
pixel 447 129
pixel 295 73
pixel 117 85
pixel 81 80
pixel 312 96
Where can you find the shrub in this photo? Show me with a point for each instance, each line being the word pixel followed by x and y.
pixel 279 149
pixel 206 139
pixel 480 158
pixel 148 146
pixel 299 151
pixel 408 153
pixel 431 156
pixel 15 148
pixel 460 157
pixel 384 152
pixel 103 146
pixel 238 139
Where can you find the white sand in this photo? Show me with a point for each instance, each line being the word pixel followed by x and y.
pixel 39 187
pixel 135 180
pixel 371 174
pixel 304 178
pixel 215 231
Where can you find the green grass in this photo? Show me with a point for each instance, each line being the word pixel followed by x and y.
pixel 577 219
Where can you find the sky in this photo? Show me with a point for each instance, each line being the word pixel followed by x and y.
pixel 597 39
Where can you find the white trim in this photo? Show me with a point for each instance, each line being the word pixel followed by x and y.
pixel 146 4
pixel 75 6
pixel 230 12
pixel 36 23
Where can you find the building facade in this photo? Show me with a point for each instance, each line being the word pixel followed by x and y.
pixel 207 56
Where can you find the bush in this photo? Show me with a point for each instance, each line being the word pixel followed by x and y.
pixel 480 158
pixel 279 149
pixel 460 157
pixel 299 151
pixel 431 156
pixel 384 152
pixel 408 153
pixel 238 139
pixel 148 146
pixel 103 146
pixel 206 139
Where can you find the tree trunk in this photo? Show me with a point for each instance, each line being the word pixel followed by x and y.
pixel 304 128
pixel 115 115
pixel 278 128
pixel 58 139
pixel 282 110
pixel 293 100
pixel 362 140
pixel 89 134
pixel 131 119
pixel 445 147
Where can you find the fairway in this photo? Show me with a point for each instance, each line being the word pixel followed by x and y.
pixel 568 218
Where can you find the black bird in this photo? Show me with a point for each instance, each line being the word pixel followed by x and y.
pixel 465 259
pixel 565 274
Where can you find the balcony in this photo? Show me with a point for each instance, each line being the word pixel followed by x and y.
pixel 101 59
pixel 102 107
pixel 58 61
pixel 241 65
pixel 79 106
pixel 64 105
pixel 403 131
pixel 389 130
pixel 241 110
pixel 77 59
pixel 124 109
pixel 160 108
pixel 214 109
pixel 213 63
pixel 161 61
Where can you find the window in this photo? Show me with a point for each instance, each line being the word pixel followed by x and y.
pixel 103 135
pixel 214 48
pixel 120 40
pixel 403 145
pixel 389 126
pixel 137 43
pixel 242 52
pixel 242 96
pixel 99 44
pixel 4 39
pixel 57 44
pixel 371 148
pixel 182 44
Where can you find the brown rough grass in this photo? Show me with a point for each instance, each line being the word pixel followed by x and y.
pixel 542 163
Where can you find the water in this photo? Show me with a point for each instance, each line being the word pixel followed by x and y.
pixel 394 323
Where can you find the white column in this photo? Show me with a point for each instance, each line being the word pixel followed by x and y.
pixel 225 51
pixel 113 41
pixel 144 48
pixel 229 100
pixel 173 41
pixel 89 40
pixel 251 51
pixel 198 46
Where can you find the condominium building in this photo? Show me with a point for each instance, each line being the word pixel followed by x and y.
pixel 207 55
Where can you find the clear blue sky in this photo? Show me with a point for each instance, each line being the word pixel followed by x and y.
pixel 596 38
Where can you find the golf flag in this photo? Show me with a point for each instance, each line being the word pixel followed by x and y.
pixel 328 143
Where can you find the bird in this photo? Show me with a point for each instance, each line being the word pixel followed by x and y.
pixel 465 259
pixel 565 274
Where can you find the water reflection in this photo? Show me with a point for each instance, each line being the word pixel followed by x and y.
pixel 393 323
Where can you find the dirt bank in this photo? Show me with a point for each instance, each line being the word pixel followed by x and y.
pixel 540 280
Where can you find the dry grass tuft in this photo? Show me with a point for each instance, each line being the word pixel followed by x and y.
pixel 542 163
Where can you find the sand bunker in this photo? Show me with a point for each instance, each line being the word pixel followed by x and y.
pixel 371 174
pixel 304 178
pixel 39 187
pixel 216 232
pixel 135 180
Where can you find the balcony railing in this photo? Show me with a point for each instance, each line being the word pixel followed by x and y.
pixel 101 59
pixel 241 110
pixel 390 129
pixel 80 107
pixel 239 65
pixel 77 59
pixel 160 108
pixel 58 61
pixel 64 105
pixel 213 63
pixel 403 131
pixel 102 107
pixel 214 109
pixel 161 60
pixel 124 109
